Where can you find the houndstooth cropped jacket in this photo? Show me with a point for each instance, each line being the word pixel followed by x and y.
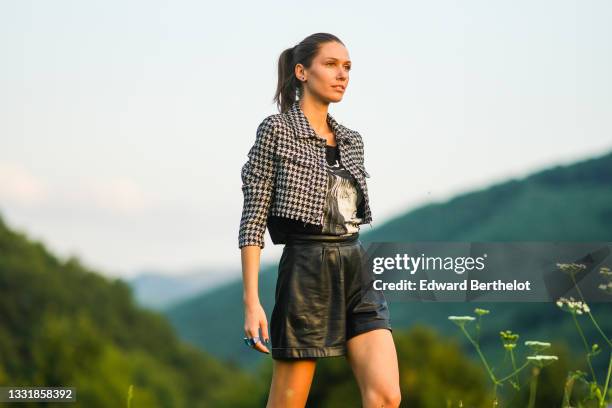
pixel 285 174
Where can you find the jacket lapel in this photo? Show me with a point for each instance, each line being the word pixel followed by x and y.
pixel 302 127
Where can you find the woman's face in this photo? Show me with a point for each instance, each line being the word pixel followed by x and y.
pixel 328 75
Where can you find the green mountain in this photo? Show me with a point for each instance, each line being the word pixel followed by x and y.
pixel 563 203
pixel 157 290
pixel 62 324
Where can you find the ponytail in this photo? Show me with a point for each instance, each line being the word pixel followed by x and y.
pixel 289 88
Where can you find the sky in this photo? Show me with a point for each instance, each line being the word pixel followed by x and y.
pixel 124 124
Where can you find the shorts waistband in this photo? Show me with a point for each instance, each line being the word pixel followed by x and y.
pixel 320 238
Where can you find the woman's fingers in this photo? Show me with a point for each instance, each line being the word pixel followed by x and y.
pixel 264 336
pixel 256 319
pixel 259 346
pixel 264 328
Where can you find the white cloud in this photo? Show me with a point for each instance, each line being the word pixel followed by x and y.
pixel 121 195
pixel 19 187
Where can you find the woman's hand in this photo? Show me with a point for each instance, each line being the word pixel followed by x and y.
pixel 254 319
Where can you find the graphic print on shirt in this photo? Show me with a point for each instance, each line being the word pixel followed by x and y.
pixel 343 198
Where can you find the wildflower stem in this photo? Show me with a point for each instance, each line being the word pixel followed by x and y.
pixel 514 367
pixel 478 329
pixel 589 312
pixel 482 357
pixel 586 346
pixel 534 386
pixel 599 329
pixel 607 380
pixel 515 372
pixel 130 395
pixel 567 390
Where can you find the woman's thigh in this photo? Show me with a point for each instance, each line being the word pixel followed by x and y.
pixel 291 381
pixel 373 359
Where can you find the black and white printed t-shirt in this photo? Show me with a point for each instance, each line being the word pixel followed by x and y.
pixel 341 203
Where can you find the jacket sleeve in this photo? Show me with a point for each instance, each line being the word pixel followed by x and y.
pixel 257 185
pixel 359 147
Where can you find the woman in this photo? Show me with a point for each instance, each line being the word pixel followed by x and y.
pixel 305 181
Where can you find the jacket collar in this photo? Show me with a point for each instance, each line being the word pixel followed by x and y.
pixel 303 129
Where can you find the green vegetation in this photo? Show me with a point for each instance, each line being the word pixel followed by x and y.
pixel 64 325
pixel 595 394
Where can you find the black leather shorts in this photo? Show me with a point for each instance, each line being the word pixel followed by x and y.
pixel 324 296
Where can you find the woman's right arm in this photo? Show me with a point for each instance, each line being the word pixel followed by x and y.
pixel 257 187
pixel 254 314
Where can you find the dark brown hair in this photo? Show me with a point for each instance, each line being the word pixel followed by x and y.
pixel 289 87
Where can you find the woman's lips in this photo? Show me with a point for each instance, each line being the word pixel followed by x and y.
pixel 338 88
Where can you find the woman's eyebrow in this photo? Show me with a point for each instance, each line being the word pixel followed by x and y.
pixel 336 59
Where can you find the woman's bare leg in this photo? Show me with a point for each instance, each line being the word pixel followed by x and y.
pixel 373 359
pixel 291 381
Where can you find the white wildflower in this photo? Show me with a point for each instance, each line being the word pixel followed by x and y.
pixel 571 268
pixel 537 344
pixel 542 360
pixel 461 320
pixel 573 306
pixel 541 357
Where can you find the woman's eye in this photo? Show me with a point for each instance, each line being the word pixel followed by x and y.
pixel 331 64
